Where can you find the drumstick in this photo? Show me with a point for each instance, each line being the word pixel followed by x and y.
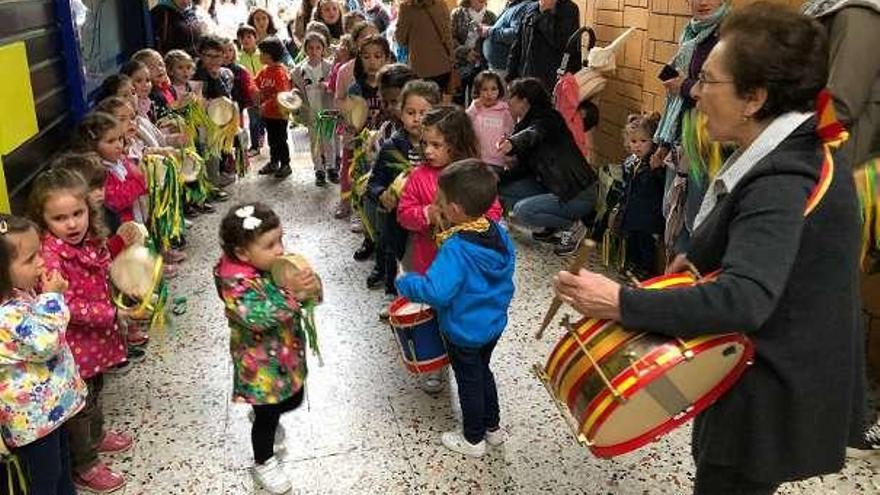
pixel 579 261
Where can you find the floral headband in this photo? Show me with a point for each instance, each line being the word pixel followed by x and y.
pixel 249 221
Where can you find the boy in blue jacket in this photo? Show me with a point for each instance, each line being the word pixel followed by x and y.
pixel 469 285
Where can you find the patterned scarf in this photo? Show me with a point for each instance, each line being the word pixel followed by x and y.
pixel 695 33
pixel 479 225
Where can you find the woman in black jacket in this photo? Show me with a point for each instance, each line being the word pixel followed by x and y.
pixel 780 226
pixel 552 185
pixel 543 35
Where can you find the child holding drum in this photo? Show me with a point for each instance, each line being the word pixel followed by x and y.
pixel 470 285
pixel 267 339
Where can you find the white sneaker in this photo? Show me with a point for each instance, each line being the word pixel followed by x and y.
pixel 455 441
pixel 271 477
pixel 497 437
pixel 355 225
pixel 432 383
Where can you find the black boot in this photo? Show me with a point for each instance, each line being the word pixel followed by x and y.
pixel 269 168
pixel 320 178
pixel 333 175
pixel 376 279
pixel 365 251
pixel 283 172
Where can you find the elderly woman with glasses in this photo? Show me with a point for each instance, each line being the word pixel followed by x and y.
pixel 779 230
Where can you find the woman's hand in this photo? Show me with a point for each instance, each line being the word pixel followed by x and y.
pixel 589 293
pixel 54 282
pixel 504 146
pixel 681 264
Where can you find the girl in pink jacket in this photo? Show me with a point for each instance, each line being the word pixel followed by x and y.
pixel 491 118
pixel 73 245
pixel 448 136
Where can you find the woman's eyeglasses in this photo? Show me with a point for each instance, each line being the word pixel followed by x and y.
pixel 704 80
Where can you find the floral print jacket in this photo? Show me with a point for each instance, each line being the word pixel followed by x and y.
pixel 266 337
pixel 39 386
pixel 92 333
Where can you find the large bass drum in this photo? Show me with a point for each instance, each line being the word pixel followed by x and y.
pixel 620 389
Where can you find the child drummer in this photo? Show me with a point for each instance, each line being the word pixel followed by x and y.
pixel 470 286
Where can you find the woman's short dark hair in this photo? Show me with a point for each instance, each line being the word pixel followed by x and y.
pixel 10 224
pixel 234 235
pixel 769 46
pixel 470 184
pixel 273 47
pixel 532 90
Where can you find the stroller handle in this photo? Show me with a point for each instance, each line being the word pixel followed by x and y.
pixel 570 44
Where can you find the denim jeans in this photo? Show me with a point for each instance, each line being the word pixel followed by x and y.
pixel 510 193
pixel 548 211
pixel 47 464
pixel 256 127
pixel 476 389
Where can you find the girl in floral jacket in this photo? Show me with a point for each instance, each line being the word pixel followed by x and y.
pixel 266 337
pixel 74 246
pixel 41 388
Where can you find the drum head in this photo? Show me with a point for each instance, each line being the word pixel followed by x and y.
pixel 403 313
pixel 355 111
pixel 132 272
pixel 189 169
pixel 221 111
pixel 716 364
pixel 289 102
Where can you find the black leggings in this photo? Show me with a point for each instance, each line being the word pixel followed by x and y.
pixel 266 418
pixel 713 479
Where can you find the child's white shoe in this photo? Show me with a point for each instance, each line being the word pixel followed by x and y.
pixel 432 383
pixel 271 477
pixel 455 441
pixel 496 438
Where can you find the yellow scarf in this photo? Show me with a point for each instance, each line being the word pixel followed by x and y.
pixel 479 225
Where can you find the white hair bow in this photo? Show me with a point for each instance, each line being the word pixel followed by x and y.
pixel 249 221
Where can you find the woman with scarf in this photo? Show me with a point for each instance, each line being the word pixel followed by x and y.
pixel 777 241
pixel 175 26
pixel 687 172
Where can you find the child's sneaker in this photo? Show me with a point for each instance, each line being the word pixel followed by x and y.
pixel 333 175
pixel 455 441
pixel 320 178
pixel 114 442
pixel 99 479
pixel 343 210
pixel 271 477
pixel 496 437
pixel 355 225
pixel 570 240
pixel 120 369
pixel 137 337
pixel 135 355
pixel 432 383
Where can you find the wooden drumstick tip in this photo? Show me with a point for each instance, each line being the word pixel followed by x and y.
pixel 579 261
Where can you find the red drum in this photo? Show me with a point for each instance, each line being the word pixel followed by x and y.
pixel 418 335
pixel 621 389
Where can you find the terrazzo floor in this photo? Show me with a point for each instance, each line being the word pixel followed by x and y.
pixel 366 428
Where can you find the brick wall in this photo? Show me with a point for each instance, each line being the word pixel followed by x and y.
pixel 634 87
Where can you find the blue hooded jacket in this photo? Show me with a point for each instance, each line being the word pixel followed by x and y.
pixel 469 285
pixel 503 33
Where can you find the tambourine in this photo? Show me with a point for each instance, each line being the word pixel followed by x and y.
pixel 289 103
pixel 136 273
pixel 355 112
pixel 190 167
pixel 285 268
pixel 221 111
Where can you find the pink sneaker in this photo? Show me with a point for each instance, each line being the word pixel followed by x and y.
pixel 137 336
pixel 99 479
pixel 115 442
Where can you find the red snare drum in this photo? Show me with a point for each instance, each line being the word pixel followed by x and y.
pixel 621 389
pixel 418 336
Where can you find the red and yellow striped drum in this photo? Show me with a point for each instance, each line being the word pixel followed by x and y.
pixel 621 389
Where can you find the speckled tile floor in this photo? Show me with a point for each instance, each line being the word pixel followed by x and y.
pixel 366 427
